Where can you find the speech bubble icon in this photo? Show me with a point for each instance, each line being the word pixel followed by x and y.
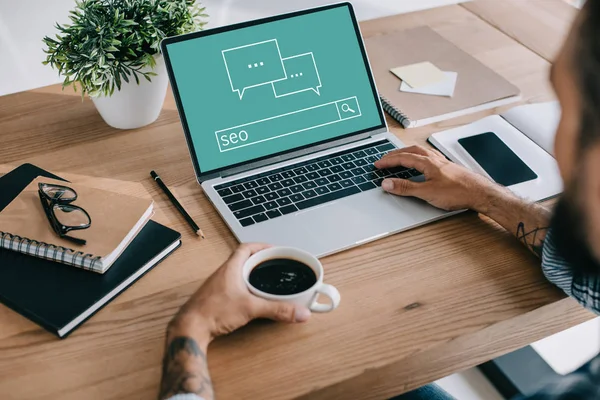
pixel 253 65
pixel 302 75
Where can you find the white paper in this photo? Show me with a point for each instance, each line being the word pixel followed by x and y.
pixel 419 75
pixel 538 121
pixel 444 88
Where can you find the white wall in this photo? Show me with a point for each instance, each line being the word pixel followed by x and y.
pixel 23 24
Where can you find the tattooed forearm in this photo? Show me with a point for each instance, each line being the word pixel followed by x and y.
pixel 185 370
pixel 528 221
pixel 533 239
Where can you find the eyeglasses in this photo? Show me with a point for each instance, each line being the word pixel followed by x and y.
pixel 62 215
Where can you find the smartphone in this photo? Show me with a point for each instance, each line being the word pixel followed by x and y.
pixel 497 159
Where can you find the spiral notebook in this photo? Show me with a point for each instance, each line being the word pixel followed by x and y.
pixel 116 219
pixel 59 297
pixel 477 88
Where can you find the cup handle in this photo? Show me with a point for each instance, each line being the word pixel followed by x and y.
pixel 329 291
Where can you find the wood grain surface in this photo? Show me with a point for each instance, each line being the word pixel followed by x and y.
pixel 415 307
pixel 523 20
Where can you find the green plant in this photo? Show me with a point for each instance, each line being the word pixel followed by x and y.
pixel 111 41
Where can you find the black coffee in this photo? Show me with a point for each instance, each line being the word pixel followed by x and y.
pixel 282 276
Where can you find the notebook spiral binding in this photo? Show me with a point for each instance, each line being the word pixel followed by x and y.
pixel 395 113
pixel 48 251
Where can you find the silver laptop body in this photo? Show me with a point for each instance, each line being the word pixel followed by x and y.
pixel 325 228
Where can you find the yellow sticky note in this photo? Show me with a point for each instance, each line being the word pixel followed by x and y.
pixel 420 74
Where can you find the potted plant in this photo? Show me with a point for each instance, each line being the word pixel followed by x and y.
pixel 111 50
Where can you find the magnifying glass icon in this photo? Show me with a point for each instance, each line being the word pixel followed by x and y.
pixel 346 108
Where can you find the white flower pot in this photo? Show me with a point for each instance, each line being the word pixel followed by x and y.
pixel 135 105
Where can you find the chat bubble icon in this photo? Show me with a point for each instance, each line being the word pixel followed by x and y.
pixel 253 65
pixel 302 75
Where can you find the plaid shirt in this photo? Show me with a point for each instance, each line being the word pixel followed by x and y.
pixel 584 289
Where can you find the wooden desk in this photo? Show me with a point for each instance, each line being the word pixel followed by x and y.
pixel 415 307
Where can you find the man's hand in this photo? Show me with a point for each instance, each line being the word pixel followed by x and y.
pixel 448 186
pixel 222 305
pixel 452 187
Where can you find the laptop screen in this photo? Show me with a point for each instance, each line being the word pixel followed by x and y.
pixel 255 90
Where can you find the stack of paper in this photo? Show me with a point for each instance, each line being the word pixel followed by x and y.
pixel 426 78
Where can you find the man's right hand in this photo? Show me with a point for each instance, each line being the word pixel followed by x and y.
pixel 447 186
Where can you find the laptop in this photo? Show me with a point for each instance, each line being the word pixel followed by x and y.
pixel 283 123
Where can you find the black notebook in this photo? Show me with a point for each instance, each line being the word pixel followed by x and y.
pixel 59 297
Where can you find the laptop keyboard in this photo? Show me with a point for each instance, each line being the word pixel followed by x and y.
pixel 296 187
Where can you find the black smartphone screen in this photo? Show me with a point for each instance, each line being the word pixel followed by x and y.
pixel 497 159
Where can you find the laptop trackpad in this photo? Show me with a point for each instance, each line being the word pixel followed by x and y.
pixel 339 224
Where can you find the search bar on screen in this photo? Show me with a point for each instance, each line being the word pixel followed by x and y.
pixel 287 124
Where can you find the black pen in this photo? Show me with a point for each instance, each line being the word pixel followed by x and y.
pixel 177 205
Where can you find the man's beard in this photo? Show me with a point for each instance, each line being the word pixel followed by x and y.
pixel 569 234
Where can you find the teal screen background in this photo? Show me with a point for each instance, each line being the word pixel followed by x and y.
pixel 210 104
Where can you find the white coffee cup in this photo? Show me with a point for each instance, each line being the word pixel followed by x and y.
pixel 307 298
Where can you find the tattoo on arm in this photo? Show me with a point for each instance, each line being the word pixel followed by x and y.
pixel 533 239
pixel 185 370
pixel 530 219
